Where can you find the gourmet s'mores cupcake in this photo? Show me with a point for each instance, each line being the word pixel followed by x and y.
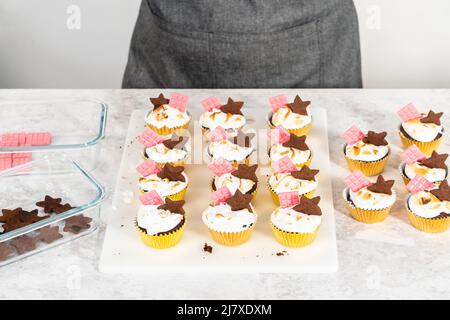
pixel 295 117
pixel 230 219
pixel 297 221
pixel 288 144
pixel 228 116
pixel 367 153
pixel 168 115
pixel 369 202
pixel 429 206
pixel 423 130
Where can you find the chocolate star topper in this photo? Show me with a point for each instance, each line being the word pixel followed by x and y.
pixel 9 214
pixel 5 251
pixel 243 139
pixel 49 204
pixel 299 106
pixel 159 101
pixel 239 201
pixel 305 173
pixel 173 206
pixel 77 224
pixel 377 139
pixel 232 107
pixel 172 173
pixel 49 234
pixel 382 186
pixel 246 172
pixel 432 117
pixel 309 206
pixel 24 244
pixel 176 142
pixel 435 161
pixel 296 142
pixel 19 220
pixel 63 208
pixel 443 193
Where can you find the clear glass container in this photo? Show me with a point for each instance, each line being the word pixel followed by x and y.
pixel 77 127
pixel 23 186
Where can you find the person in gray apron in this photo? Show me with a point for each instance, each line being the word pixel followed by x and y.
pixel 245 44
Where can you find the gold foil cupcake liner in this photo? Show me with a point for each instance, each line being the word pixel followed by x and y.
pixel 252 193
pixel 294 239
pixel 426 147
pixel 303 131
pixel 162 241
pixel 366 215
pixel 231 238
pixel 368 168
pixel 433 225
pixel 276 199
pixel 164 131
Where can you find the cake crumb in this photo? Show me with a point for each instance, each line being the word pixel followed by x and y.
pixel 282 253
pixel 207 248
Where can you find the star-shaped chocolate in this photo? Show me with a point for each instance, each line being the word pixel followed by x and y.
pixel 243 139
pixel 49 204
pixel 296 142
pixel 443 193
pixel 24 244
pixel 309 206
pixel 435 161
pixel 299 106
pixel 232 107
pixel 173 206
pixel 377 139
pixel 175 142
pixel 77 224
pixel 172 173
pixel 159 101
pixel 9 214
pixel 49 234
pixel 5 251
pixel 382 186
pixel 432 117
pixel 63 208
pixel 246 172
pixel 239 201
pixel 305 173
pixel 22 219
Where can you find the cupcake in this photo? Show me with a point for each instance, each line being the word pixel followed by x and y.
pixel 236 150
pixel 228 116
pixel 168 116
pixel 303 182
pixel 369 202
pixel 297 226
pixel 292 146
pixel 423 130
pixel 295 117
pixel 366 153
pixel 432 168
pixel 170 182
pixel 173 150
pixel 243 179
pixel 230 219
pixel 161 225
pixel 429 210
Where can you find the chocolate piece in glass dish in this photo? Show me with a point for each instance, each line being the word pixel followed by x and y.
pixel 5 251
pixel 18 218
pixel 53 205
pixel 77 224
pixel 24 243
pixel 49 234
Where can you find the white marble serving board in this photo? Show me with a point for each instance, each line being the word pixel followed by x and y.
pixel 123 251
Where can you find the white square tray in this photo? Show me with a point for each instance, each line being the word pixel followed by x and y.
pixel 123 251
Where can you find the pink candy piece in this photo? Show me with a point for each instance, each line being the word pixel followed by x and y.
pixel 5 163
pixel 289 199
pixel 279 135
pixel 409 112
pixel 356 181
pixel 151 198
pixel 284 165
pixel 211 103
pixel 178 101
pixel 148 167
pixel 218 134
pixel 20 161
pixel 14 139
pixel 39 138
pixel 150 138
pixel 220 196
pixel 278 102
pixel 221 166
pixel 419 183
pixel 412 154
pixel 353 135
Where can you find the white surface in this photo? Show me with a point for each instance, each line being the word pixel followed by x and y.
pixel 404 43
pixel 123 250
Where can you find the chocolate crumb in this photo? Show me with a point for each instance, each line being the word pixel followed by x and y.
pixel 207 248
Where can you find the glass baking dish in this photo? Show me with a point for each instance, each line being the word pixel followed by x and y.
pixel 77 127
pixel 23 186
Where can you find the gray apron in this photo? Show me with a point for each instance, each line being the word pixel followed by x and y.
pixel 245 44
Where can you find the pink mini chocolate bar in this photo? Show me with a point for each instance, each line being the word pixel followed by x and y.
pixel 279 135
pixel 178 101
pixel 419 183
pixel 412 155
pixel 221 166
pixel 284 165
pixel 149 138
pixel 151 198
pixel 289 199
pixel 409 112
pixel 278 102
pixel 353 135
pixel 356 181
pixel 211 103
pixel 218 134
pixel 148 167
pixel 220 196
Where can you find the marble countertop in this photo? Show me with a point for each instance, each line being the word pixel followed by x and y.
pixel 387 260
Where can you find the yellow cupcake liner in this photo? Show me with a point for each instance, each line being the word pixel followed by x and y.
pixel 294 239
pixel 162 241
pixel 164 131
pixel 298 165
pixel 276 199
pixel 368 168
pixel 174 197
pixel 426 147
pixel 434 225
pixel 366 215
pixel 303 131
pixel 253 193
pixel 231 238
pixel 406 180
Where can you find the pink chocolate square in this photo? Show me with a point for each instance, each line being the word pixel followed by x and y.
pixel 412 155
pixel 211 103
pixel 151 198
pixel 356 181
pixel 289 199
pixel 178 101
pixel 409 112
pixel 38 138
pixel 353 135
pixel 220 196
pixel 278 102
pixel 279 135
pixel 221 166
pixel 284 165
pixel 218 134
pixel 419 183
pixel 148 167
pixel 149 138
